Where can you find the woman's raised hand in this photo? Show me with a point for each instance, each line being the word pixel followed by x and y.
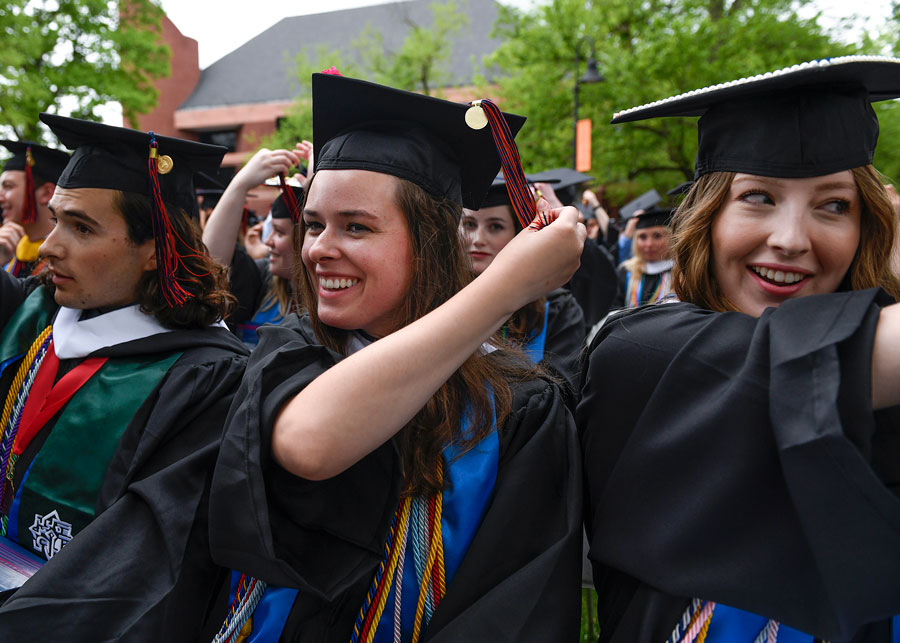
pixel 264 165
pixel 538 261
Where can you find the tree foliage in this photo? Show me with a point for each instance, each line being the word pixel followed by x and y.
pixel 73 56
pixel 417 65
pixel 646 51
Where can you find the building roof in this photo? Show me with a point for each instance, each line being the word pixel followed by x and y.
pixel 264 70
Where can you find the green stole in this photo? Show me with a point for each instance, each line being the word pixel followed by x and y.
pixel 66 474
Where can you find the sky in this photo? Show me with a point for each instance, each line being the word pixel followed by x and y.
pixel 220 26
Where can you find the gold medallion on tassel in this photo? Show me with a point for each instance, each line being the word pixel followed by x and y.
pixel 475 116
pixel 164 163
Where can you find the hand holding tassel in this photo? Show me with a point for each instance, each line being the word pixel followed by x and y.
pixel 542 257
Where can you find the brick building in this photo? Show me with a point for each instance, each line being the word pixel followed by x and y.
pixel 240 98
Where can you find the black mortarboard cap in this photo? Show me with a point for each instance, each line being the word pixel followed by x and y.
pixel 564 181
pixel 48 162
pixel 206 184
pixel 116 158
pixel 811 119
pixel 654 217
pixel 159 167
pixel 644 202
pixel 283 210
pixel 560 178
pixel 681 189
pixel 365 126
pixel 498 194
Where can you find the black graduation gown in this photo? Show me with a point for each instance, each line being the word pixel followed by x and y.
pixel 739 460
pixel 248 282
pixel 565 337
pixel 519 578
pixel 649 285
pixel 141 571
pixel 594 284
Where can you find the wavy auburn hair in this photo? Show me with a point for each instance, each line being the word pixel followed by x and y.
pixel 440 269
pixel 198 273
pixel 693 273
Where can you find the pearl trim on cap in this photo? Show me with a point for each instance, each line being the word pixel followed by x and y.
pixel 826 62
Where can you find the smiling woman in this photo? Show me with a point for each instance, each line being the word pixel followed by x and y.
pixel 713 429
pixel 392 399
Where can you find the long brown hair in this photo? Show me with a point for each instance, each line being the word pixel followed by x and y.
pixel 439 271
pixel 280 294
pixel 693 273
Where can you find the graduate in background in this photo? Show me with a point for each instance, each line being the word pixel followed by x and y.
pixel 741 448
pixel 126 372
pixel 26 187
pixel 388 472
pixel 646 277
pixel 550 330
pixel 594 283
pixel 271 299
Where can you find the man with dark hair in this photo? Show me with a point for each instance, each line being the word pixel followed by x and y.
pixel 116 373
pixel 26 186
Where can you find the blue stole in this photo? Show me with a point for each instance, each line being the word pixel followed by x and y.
pixel 247 332
pixel 731 625
pixel 534 349
pixel 472 477
pixel 271 612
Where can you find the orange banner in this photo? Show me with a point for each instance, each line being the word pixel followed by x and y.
pixel 583 145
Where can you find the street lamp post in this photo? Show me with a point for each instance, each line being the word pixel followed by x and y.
pixel 591 75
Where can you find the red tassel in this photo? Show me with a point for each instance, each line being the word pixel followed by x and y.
pixel 29 210
pixel 245 218
pixel 290 199
pixel 168 260
pixel 519 194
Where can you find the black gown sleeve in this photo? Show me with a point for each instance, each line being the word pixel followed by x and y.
pixel 621 281
pixel 565 337
pixel 731 458
pixel 519 581
pixel 142 571
pixel 594 283
pixel 248 284
pixel 320 536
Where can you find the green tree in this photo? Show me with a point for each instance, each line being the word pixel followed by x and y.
pixel 646 51
pixel 417 65
pixel 76 55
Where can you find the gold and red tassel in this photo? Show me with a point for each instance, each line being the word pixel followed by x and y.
pixel 290 199
pixel 168 259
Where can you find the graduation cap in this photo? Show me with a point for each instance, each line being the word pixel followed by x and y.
pixel 498 194
pixel 36 161
pixel 680 189
pixel 654 217
pixel 282 207
pixel 159 167
pixel 287 204
pixel 564 180
pixel 811 119
pixel 644 202
pixel 426 140
pixel 206 184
